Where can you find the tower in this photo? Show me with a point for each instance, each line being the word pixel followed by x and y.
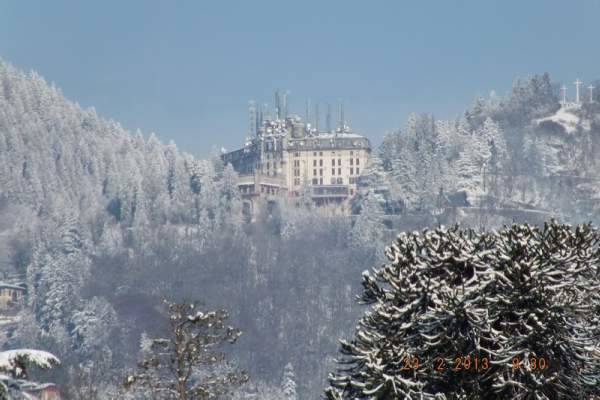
pixel 563 89
pixel 591 88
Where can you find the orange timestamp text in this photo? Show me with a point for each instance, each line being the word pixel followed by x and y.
pixel 473 363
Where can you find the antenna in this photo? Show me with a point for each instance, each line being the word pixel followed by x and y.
pixel 307 112
pixel 317 117
pixel 285 104
pixel 341 121
pixel 328 118
pixel 252 123
pixel 277 105
pixel 259 118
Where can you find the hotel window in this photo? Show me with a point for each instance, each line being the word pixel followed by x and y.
pixel 351 171
pixel 358 161
pixel 357 171
pixel 332 162
pixel 315 181
pixel 321 172
pixel 339 161
pixel 351 153
pixel 333 181
pixel 314 172
pixel 332 171
pixel 352 161
pixel 297 181
pixel 315 153
pixel 340 181
pixel 320 181
pixel 314 163
pixel 320 163
pixel 296 154
pixel 321 153
pixel 339 171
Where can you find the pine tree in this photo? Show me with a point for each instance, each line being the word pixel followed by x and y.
pixel 92 326
pixel 288 383
pixel 517 305
pixel 368 229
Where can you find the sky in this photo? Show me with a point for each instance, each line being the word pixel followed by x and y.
pixel 187 69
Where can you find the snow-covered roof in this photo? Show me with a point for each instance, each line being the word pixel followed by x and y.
pixel 330 142
pixel 4 285
pixel 40 358
pixel 339 136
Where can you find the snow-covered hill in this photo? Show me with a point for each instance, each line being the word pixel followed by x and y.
pixel 522 151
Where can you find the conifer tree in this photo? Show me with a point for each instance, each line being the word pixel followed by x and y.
pixel 184 366
pixel 288 383
pixel 493 315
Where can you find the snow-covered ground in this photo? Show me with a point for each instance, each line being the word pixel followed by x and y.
pixel 565 118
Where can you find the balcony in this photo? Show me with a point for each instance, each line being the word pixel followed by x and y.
pixel 275 181
pixel 322 191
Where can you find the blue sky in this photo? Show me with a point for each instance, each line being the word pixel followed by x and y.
pixel 187 69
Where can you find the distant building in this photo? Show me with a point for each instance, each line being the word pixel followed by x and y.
pixel 287 157
pixel 41 391
pixel 11 295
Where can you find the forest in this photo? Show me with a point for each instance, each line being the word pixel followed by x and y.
pixel 103 225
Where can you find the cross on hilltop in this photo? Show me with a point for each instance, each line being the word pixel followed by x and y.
pixel 577 103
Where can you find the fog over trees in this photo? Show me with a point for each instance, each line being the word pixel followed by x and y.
pixel 103 224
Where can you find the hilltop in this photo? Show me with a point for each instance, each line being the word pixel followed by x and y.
pixel 526 151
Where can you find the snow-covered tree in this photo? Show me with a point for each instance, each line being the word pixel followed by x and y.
pixel 288 383
pixel 15 381
pixel 93 325
pixel 368 229
pixel 259 391
pixel 182 366
pixel 459 314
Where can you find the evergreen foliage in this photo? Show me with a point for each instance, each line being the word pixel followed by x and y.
pixel 513 297
pixel 288 384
